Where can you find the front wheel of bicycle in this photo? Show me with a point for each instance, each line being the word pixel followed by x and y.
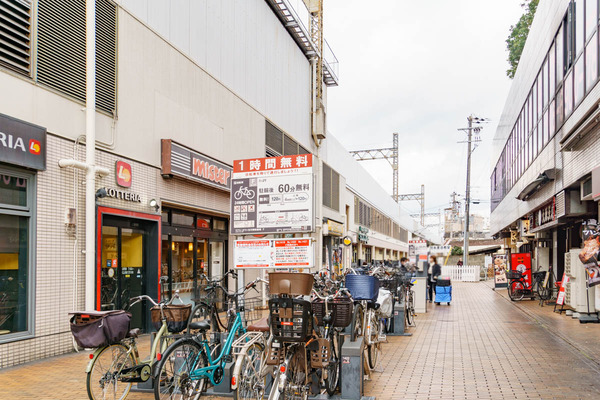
pixel 516 291
pixel 103 380
pixel 251 383
pixel 333 368
pixel 357 322
pixel 373 355
pixel 409 311
pixel 173 378
pixel 296 388
pixel 544 293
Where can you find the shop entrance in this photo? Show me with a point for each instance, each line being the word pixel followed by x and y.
pixel 127 256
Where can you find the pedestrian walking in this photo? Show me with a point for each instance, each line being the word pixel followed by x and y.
pixel 434 272
pixel 460 262
pixel 404 265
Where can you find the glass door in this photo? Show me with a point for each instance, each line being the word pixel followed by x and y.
pixel 217 259
pixel 122 269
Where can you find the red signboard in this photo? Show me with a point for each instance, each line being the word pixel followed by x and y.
pixel 123 174
pixel 560 299
pixel 522 262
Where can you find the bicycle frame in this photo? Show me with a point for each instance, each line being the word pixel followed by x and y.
pixel 220 361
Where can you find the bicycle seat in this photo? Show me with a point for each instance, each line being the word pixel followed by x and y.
pixel 262 325
pixel 200 325
pixel 135 332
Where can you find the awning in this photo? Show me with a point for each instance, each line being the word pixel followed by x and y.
pixel 536 184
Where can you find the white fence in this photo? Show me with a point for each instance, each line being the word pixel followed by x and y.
pixel 462 273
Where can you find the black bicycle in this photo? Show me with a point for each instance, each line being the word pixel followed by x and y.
pixel 518 287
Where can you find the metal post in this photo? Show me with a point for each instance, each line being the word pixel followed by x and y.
pixel 422 205
pixel 90 147
pixel 468 194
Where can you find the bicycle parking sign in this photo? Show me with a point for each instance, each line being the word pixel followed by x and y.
pixel 272 195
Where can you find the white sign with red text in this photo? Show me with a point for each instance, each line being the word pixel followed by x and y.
pixel 272 195
pixel 273 253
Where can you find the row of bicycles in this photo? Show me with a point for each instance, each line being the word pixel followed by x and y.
pixel 541 286
pixel 290 349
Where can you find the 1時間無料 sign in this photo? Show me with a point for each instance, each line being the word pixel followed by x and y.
pixel 180 161
pixel 272 195
pixel 22 143
pixel 273 253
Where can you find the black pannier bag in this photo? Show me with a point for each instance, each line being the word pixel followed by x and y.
pixel 177 316
pixel 99 328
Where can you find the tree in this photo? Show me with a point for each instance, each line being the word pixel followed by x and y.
pixel 456 251
pixel 518 36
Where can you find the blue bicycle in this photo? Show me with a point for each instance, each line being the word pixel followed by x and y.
pixel 190 363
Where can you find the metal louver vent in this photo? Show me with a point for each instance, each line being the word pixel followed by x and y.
pixel 335 190
pixel 61 49
pixel 15 39
pixel 560 204
pixel 290 147
pixel 273 139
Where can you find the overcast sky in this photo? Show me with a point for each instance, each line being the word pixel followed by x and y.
pixel 420 68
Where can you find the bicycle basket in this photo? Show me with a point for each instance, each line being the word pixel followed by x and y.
pixel 252 308
pixel 290 319
pixel 341 311
pixel 99 328
pixel 390 284
pixel 177 316
pixel 514 275
pixel 363 287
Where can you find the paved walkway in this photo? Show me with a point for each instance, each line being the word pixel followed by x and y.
pixel 481 347
pixel 484 347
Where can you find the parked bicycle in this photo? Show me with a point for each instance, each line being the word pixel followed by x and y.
pixel 193 362
pixel 519 287
pixel 116 364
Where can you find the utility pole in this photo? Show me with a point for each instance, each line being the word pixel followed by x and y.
pixel 468 190
pixel 470 131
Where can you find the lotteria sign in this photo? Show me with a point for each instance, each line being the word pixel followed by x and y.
pixel 22 143
pixel 178 160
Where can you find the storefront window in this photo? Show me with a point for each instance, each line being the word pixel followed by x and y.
pixel 591 63
pixel 16 210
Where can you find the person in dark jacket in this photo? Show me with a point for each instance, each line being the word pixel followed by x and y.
pixel 435 271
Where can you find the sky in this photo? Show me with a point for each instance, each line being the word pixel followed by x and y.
pixel 420 68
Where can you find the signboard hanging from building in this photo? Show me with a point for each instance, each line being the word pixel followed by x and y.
pixel 272 195
pixel 178 160
pixel 273 253
pixel 22 143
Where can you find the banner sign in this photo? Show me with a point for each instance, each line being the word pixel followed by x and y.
pixel 560 299
pixel 591 251
pixel 500 269
pixel 417 247
pixel 178 160
pixel 273 253
pixel 272 195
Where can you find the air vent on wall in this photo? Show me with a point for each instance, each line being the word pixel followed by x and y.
pixel 15 39
pixel 61 49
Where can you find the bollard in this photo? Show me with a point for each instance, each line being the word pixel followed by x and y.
pixel 225 385
pixel 352 369
pixel 399 321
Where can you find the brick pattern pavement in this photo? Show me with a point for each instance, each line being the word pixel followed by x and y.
pixel 482 347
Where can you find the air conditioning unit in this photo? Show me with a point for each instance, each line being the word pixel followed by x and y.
pixel 577 294
pixel 568 296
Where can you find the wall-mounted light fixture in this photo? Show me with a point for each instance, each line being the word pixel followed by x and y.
pixel 101 193
pixel 154 204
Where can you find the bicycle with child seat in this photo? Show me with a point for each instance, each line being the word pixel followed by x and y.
pixel 113 368
pixel 190 363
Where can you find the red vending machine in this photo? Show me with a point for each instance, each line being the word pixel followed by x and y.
pixel 522 262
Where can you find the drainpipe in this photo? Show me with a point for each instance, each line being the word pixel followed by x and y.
pixel 90 156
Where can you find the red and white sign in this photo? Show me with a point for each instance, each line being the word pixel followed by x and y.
pixel 560 299
pixel 123 174
pixel 273 253
pixel 521 262
pixel 272 195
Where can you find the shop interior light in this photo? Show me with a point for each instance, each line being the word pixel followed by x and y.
pixel 191 246
pixel 173 246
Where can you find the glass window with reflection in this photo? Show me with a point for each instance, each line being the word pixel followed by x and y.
pixel 560 108
pixel 560 54
pixel 552 71
pixel 579 24
pixel 551 120
pixel 540 97
pixel 591 63
pixel 579 81
pixel 16 210
pixel 591 17
pixel 568 93
pixel 545 80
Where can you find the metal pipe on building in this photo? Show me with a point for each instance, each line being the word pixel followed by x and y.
pixel 468 191
pixel 90 149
